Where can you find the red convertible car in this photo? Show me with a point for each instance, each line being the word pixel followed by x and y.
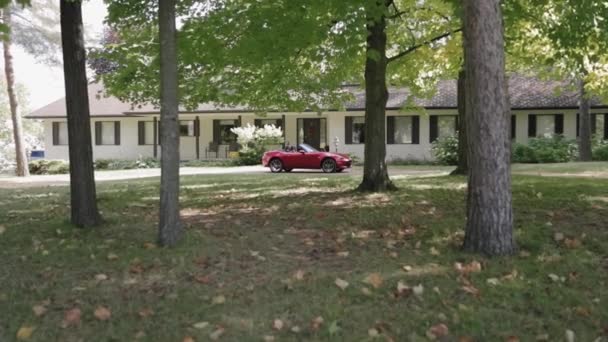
pixel 305 157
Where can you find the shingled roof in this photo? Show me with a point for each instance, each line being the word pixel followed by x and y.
pixel 525 93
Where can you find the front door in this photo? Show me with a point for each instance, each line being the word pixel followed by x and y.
pixel 312 132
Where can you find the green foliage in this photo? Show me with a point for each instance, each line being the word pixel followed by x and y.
pixel 412 161
pixel 250 157
pixel 277 55
pixel 600 151
pixel 48 167
pixel 126 164
pixel 554 149
pixel 445 150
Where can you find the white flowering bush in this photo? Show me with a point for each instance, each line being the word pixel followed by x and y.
pixel 255 141
pixel 445 150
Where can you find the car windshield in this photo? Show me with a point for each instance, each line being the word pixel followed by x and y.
pixel 306 148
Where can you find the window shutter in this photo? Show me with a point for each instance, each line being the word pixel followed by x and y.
pixel 280 123
pixel 55 133
pixel 578 125
pixel 605 126
pixel 197 127
pixel 513 126
pixel 257 122
pixel 238 122
pixel 141 132
pixel 160 128
pixel 390 129
pixel 348 130
pixel 531 125
pixel 415 129
pixel 98 133
pixel 559 123
pixel 434 131
pixel 116 132
pixel 216 131
pixel 593 124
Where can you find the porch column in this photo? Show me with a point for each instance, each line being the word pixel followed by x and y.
pixel 197 134
pixel 284 125
pixel 155 134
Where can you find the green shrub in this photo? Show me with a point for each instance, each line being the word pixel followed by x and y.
pixel 209 163
pixel 250 156
pixel 445 150
pixel 48 167
pixel 410 161
pixel 553 149
pixel 600 151
pixel 523 154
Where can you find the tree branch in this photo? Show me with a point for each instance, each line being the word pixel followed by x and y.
pixel 425 43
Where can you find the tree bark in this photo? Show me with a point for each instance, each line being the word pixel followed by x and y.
pixel 463 166
pixel 489 227
pixel 585 134
pixel 82 178
pixel 375 173
pixel 170 229
pixel 22 169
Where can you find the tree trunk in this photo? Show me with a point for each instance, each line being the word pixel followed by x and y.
pixel 169 230
pixel 20 156
pixel 585 134
pixel 375 174
pixel 82 178
pixel 489 228
pixel 463 166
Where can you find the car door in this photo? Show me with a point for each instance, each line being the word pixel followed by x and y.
pixel 311 160
pixel 292 160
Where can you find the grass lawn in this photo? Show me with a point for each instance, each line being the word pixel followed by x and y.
pixel 268 257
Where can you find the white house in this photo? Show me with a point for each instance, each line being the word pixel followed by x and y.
pixel 121 131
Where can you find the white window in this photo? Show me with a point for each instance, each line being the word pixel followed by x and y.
pixel 599 125
pixel 61 133
pixel 446 126
pixel 186 128
pixel 358 130
pixel 107 133
pixel 545 125
pixel 264 122
pixel 403 129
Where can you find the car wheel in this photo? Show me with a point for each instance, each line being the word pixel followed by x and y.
pixel 287 170
pixel 328 165
pixel 276 165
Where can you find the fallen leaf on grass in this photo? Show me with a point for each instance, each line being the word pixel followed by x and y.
pixel 102 313
pixel 374 279
pixel 470 289
pixel 316 323
pixel 572 243
pixel 407 268
pixel 299 275
pixel 203 279
pixel 145 312
pixel 278 324
pixel 437 331
pixel 512 339
pixel 373 332
pixel 39 310
pixel 333 328
pixel 342 254
pixel 2 229
pixel 200 325
pixel 216 334
pixel 269 338
pixel 25 332
pixel 149 245
pixel 434 251
pixel 218 299
pixel 418 290
pixel 101 277
pixel 71 318
pixel 188 339
pixel 112 257
pixel 472 267
pixel 570 336
pixel 558 237
pixel 341 283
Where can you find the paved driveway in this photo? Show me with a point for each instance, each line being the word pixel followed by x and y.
pixel 116 175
